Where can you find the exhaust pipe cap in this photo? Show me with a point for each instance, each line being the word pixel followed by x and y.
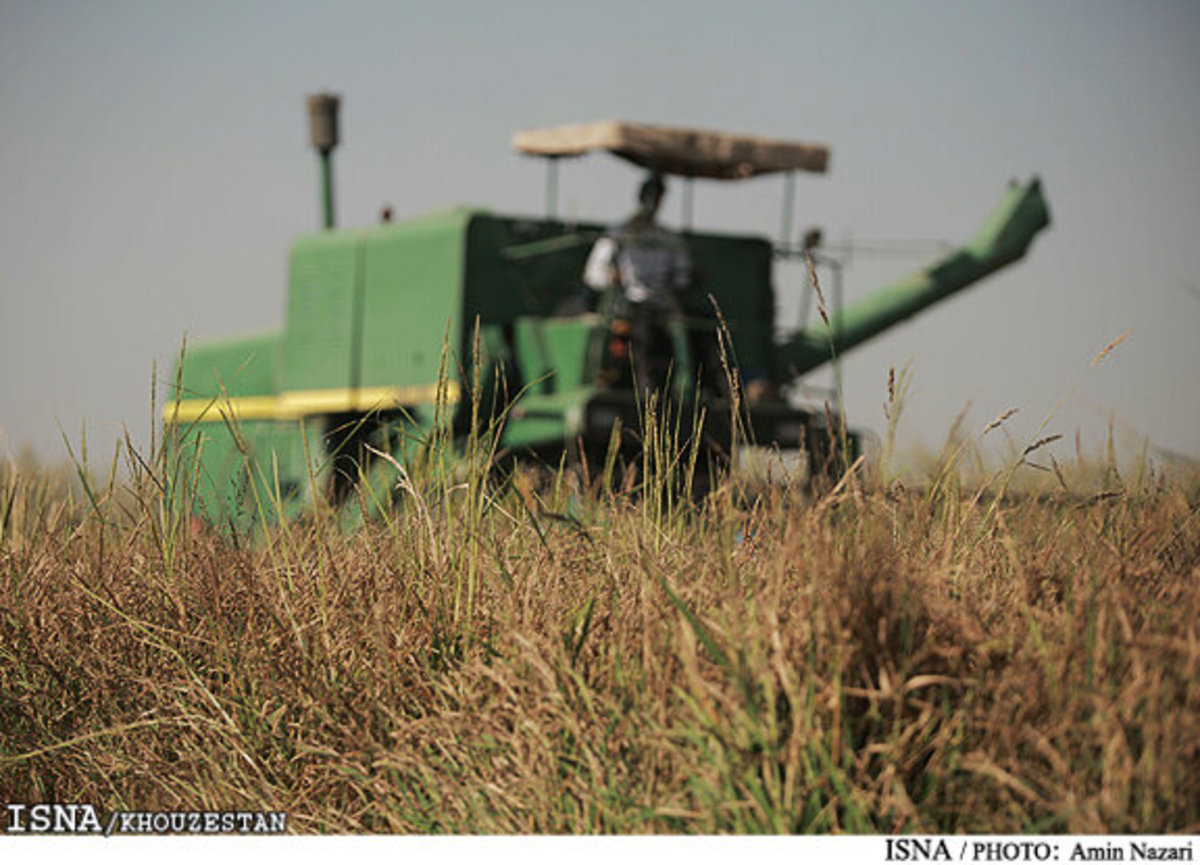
pixel 323 120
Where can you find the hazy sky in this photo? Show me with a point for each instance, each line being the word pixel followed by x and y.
pixel 154 167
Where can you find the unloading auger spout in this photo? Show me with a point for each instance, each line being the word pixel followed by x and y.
pixel 1004 238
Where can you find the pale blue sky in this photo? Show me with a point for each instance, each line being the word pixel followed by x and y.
pixel 154 168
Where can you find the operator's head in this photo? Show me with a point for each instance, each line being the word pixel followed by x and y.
pixel 651 193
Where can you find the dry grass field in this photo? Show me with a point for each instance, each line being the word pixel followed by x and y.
pixel 554 656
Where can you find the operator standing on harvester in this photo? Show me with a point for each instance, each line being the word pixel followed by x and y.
pixel 640 270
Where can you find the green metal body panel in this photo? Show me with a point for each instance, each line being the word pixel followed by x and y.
pixel 413 277
pixel 539 420
pixel 553 353
pixel 520 267
pixel 251 469
pixel 235 471
pixel 242 366
pixel 736 271
pixel 320 342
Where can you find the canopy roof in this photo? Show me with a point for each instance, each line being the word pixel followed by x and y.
pixel 671 150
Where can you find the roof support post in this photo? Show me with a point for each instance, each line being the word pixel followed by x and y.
pixel 552 187
pixel 686 202
pixel 789 204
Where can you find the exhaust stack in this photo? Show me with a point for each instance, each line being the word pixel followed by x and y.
pixel 323 132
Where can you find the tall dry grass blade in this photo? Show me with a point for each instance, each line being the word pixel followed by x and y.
pixel 998 419
pixel 1108 348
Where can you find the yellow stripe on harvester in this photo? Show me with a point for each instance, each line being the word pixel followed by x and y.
pixel 293 404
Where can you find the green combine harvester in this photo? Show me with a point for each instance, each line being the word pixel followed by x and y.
pixel 403 331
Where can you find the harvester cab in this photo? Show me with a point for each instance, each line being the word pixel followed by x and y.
pixel 413 331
